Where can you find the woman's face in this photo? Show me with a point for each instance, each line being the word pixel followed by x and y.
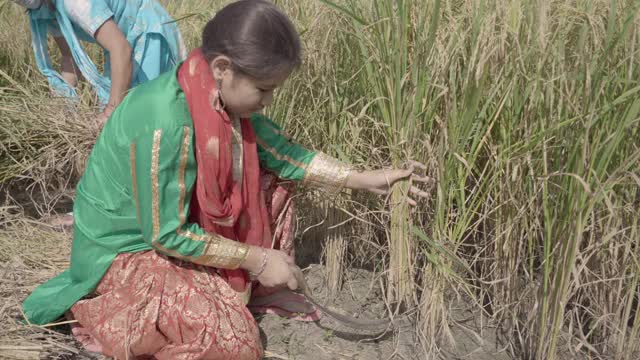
pixel 243 95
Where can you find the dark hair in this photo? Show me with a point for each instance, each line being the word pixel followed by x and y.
pixel 257 37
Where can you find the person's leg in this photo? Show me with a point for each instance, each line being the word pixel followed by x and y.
pixel 150 305
pixel 211 320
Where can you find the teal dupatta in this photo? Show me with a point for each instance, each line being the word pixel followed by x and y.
pixel 40 19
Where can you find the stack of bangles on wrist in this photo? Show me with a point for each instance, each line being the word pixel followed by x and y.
pixel 263 265
pixel 327 173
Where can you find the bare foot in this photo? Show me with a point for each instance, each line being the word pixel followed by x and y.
pixel 62 221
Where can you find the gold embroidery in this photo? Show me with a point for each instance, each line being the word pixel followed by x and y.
pixel 219 251
pixel 281 133
pixel 279 156
pixel 213 147
pixel 134 178
pixel 227 221
pixel 237 150
pixel 155 196
pixel 192 236
pixel 277 131
pixel 192 66
pixel 223 253
pixel 184 152
pixel 327 172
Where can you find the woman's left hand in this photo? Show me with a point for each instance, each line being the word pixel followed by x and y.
pixel 102 118
pixel 381 181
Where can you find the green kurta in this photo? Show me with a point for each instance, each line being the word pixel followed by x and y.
pixel 145 155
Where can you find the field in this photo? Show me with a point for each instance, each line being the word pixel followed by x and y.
pixel 527 114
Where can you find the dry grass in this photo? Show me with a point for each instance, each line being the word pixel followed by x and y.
pixel 32 253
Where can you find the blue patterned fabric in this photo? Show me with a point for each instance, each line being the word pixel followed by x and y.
pixel 154 38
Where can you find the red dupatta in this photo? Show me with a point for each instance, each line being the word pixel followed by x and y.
pixel 219 204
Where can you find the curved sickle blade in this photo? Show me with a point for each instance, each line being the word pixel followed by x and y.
pixel 374 326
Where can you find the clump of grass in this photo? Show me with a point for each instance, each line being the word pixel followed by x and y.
pixel 392 46
pixel 528 117
pixel 44 144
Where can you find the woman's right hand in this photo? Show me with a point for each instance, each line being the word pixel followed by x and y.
pixel 278 270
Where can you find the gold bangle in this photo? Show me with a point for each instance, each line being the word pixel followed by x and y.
pixel 327 173
pixel 224 253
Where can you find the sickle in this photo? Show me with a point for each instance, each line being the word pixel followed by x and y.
pixel 375 326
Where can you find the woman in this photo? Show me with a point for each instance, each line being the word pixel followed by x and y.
pixel 177 228
pixel 139 38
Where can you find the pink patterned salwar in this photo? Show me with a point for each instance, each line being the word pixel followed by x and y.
pixel 149 305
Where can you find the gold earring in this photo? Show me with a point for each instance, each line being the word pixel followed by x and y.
pixel 217 99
